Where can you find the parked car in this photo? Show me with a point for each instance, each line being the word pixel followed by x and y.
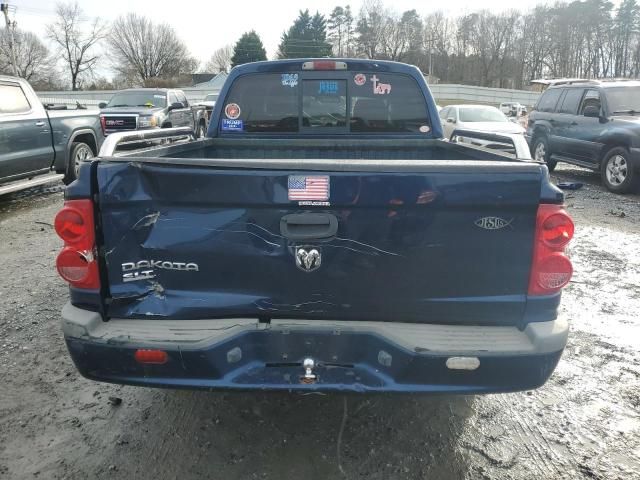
pixel 345 249
pixel 591 124
pixel 480 118
pixel 208 103
pixel 38 145
pixel 151 108
pixel 513 109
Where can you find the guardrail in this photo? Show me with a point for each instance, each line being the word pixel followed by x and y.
pixel 69 101
pixel 94 97
pixel 486 95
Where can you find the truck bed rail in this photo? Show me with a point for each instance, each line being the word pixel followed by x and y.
pixel 520 146
pixel 115 140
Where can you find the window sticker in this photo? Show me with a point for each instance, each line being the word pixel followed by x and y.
pixel 289 80
pixel 232 110
pixel 327 87
pixel 425 129
pixel 380 88
pixel 158 96
pixel 360 79
pixel 230 125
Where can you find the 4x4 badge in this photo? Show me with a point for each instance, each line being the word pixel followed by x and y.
pixel 308 259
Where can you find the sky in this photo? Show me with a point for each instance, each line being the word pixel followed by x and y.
pixel 206 26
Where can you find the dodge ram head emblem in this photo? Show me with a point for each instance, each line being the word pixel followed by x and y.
pixel 493 223
pixel 308 258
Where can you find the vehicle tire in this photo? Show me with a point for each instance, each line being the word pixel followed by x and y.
pixel 79 153
pixel 616 171
pixel 201 132
pixel 541 152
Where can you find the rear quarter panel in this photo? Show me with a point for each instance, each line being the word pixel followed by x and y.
pixel 67 126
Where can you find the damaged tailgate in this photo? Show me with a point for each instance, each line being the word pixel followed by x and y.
pixel 422 241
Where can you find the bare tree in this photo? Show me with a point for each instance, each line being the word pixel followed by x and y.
pixel 220 61
pixel 76 38
pixel 340 31
pixel 32 57
pixel 148 51
pixel 371 27
pixel 402 36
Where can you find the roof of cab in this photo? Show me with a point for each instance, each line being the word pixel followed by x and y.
pixel 353 64
pixel 613 83
pixel 146 89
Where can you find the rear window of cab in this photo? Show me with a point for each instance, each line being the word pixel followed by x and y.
pixel 298 103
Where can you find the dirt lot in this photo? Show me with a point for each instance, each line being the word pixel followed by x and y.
pixel 585 423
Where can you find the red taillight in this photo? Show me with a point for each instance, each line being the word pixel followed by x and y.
pixel 77 262
pixel 157 357
pixel 550 268
pixel 324 65
pixel 69 225
pixel 557 230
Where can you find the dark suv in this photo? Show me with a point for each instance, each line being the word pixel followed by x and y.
pixel 593 124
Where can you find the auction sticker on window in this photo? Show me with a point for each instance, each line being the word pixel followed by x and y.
pixel 229 125
pixel 232 111
pixel 360 79
pixel 289 80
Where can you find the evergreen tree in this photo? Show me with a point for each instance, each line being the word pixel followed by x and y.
pixel 248 48
pixel 307 37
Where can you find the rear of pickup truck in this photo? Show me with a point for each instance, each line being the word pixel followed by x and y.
pixel 342 264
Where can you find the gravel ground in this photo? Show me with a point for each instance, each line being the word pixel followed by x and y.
pixel 584 423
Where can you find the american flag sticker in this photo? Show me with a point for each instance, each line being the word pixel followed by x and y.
pixel 302 187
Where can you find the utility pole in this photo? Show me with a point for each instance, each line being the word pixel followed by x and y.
pixel 4 7
pixel 430 43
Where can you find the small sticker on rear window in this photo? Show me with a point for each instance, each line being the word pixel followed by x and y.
pixel 360 79
pixel 425 129
pixel 158 96
pixel 289 79
pixel 380 88
pixel 229 125
pixel 327 87
pixel 232 110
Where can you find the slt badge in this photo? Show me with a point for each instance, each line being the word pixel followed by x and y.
pixel 308 259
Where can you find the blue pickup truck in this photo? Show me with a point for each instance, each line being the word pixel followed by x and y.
pixel 323 237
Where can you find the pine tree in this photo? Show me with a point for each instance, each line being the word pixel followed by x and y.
pixel 306 38
pixel 248 48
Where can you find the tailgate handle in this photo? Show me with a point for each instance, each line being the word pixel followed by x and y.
pixel 308 226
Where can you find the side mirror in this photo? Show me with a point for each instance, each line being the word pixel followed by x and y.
pixel 451 120
pixel 591 111
pixel 102 105
pixel 176 106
